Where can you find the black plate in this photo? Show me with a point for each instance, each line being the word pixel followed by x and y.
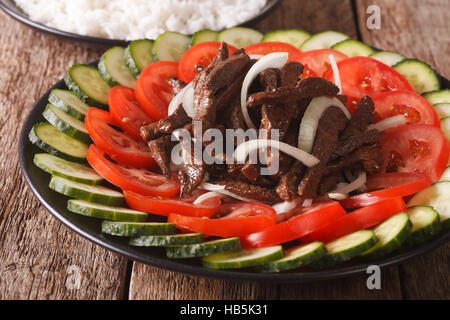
pixel 13 10
pixel 89 228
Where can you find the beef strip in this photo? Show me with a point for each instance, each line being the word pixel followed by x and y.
pixel 307 88
pixel 165 126
pixel 249 191
pixel 269 78
pixel 177 85
pixel 368 156
pixel 287 186
pixel 160 149
pixel 327 183
pixel 356 141
pixel 331 124
pixel 191 176
pixel 234 118
pixel 290 74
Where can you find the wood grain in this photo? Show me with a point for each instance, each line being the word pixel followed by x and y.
pixel 36 250
pixel 418 29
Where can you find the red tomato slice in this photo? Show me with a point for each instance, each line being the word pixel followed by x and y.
pixel 152 88
pixel 141 181
pixel 395 184
pixel 269 47
pixel 363 218
pixel 164 207
pixel 316 62
pixel 363 76
pixel 416 147
pixel 126 111
pixel 200 54
pixel 119 146
pixel 313 218
pixel 247 218
pixel 410 104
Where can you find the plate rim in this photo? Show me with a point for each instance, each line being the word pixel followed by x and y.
pixel 177 265
pixel 16 13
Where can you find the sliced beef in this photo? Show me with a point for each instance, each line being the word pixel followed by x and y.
pixel 327 184
pixel 249 191
pixel 269 78
pixel 234 118
pixel 369 157
pixel 356 141
pixel 160 149
pixel 287 186
pixel 307 88
pixel 165 126
pixel 290 74
pixel 177 85
pixel 331 124
pixel 191 176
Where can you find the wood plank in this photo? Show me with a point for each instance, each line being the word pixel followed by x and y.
pixel 36 250
pixel 151 283
pixel 418 29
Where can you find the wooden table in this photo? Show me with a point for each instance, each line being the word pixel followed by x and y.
pixel 36 249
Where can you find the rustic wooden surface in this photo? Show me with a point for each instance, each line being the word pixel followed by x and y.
pixel 37 252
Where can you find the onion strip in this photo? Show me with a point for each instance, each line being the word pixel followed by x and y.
pixel 185 97
pixel 337 77
pixel 221 189
pixel 346 189
pixel 206 196
pixel 388 123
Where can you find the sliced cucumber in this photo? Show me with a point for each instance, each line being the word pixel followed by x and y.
pixel 81 191
pixel 99 211
pixel 419 74
pixel 391 234
pixel 442 109
pixel 66 169
pixel 446 175
pixel 323 40
pixel 50 139
pixel 425 221
pixel 437 196
pixel 114 70
pixel 445 126
pixel 295 258
pixel 87 84
pixel 346 247
pixel 389 58
pixel 204 248
pixel 240 37
pixel 161 241
pixel 243 259
pixel 204 36
pixel 353 48
pixel 68 102
pixel 439 96
pixel 138 55
pixel 170 46
pixel 66 123
pixel 134 229
pixel 296 37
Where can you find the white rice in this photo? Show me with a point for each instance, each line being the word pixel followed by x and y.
pixel 135 19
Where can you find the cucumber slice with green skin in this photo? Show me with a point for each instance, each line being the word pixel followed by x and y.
pixel 353 48
pixel 437 196
pixel 68 102
pixel 346 247
pixel 295 258
pixel 81 191
pixel 442 109
pixel 296 37
pixel 50 139
pixel 323 40
pixel 203 249
pixel 445 126
pixel 170 46
pixel 134 229
pixel 446 175
pixel 87 83
pixel 419 74
pixel 204 36
pixel 391 234
pixel 138 55
pixel 243 259
pixel 162 241
pixel 66 169
pixel 439 96
pixel 99 211
pixel 389 58
pixel 425 224
pixel 66 123
pixel 240 37
pixel 114 70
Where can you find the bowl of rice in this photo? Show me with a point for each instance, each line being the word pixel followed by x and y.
pixel 116 22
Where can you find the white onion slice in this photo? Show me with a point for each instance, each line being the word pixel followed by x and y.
pixel 337 196
pixel 221 189
pixel 354 185
pixel 388 123
pixel 256 56
pixel 185 97
pixel 336 75
pixel 206 196
pixel 285 206
pixel 311 118
pixel 271 60
pixel 242 151
pixel 307 203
